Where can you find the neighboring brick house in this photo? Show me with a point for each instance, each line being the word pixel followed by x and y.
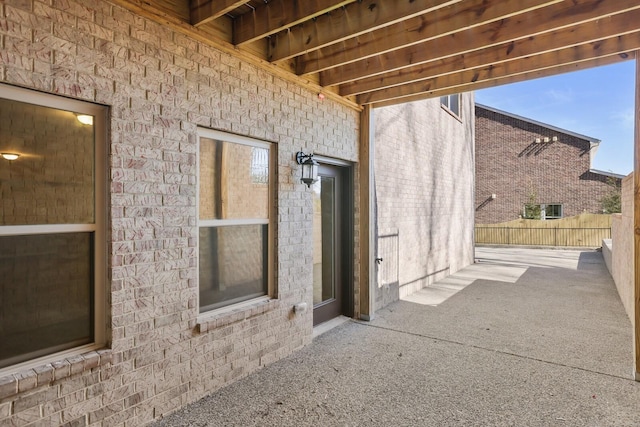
pixel 165 248
pixel 519 160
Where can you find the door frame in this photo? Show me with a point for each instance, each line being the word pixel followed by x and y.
pixel 347 241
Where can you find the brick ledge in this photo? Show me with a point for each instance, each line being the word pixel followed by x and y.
pixel 29 379
pixel 209 321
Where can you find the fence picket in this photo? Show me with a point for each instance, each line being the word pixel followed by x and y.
pixel 535 236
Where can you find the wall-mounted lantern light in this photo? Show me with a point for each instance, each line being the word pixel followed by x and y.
pixel 10 156
pixel 309 168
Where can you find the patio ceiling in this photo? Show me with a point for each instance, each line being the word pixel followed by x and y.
pixel 382 52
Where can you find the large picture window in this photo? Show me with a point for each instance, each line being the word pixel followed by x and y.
pixel 234 205
pixel 51 226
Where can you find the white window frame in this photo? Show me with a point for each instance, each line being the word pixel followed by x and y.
pixel 251 142
pixel 543 211
pixel 445 102
pixel 98 227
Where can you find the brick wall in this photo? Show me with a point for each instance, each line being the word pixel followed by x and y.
pixel 424 195
pixel 160 86
pixel 512 166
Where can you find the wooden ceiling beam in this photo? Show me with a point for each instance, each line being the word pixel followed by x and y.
pixel 477 54
pixel 278 15
pixel 623 46
pixel 517 27
pixel 426 27
pixel 591 31
pixel 578 66
pixel 203 11
pixel 347 22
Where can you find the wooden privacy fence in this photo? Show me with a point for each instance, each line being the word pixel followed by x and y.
pixel 590 237
pixel 581 230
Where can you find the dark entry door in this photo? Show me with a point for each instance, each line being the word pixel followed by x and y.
pixel 332 244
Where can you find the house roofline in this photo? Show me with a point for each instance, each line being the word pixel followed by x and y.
pixel 606 173
pixel 594 141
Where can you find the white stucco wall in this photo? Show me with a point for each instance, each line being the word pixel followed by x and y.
pixel 424 182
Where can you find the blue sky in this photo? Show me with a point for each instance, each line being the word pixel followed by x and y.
pixel 598 102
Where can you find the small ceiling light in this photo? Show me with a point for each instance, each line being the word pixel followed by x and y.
pixel 10 156
pixel 309 168
pixel 85 119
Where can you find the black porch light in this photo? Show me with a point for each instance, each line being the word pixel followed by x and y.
pixel 309 168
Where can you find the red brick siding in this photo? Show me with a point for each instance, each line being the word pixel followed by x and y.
pixel 511 165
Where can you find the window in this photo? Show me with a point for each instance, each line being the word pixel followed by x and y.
pixel 259 165
pixel 234 205
pixel 452 103
pixel 551 211
pixel 51 227
pixel 543 212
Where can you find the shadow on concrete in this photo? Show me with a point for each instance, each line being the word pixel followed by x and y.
pixel 535 338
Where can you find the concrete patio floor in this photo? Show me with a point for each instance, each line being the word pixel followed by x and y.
pixel 524 337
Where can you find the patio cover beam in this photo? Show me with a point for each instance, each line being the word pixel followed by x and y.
pixel 410 39
pixel 531 25
pixel 622 46
pixel 347 22
pixel 203 11
pixel 278 15
pixel 367 217
pixel 567 68
pixel 366 51
pixel 636 227
pixel 593 33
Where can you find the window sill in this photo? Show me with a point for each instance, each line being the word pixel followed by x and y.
pixel 29 378
pixel 235 313
pixel 451 113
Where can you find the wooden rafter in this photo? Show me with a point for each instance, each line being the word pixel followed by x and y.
pixel 517 27
pixel 448 20
pixel 278 15
pixel 348 22
pixel 367 52
pixel 636 228
pixel 592 31
pixel 203 11
pixel 601 48
pixel 547 72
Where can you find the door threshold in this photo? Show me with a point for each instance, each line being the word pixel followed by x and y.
pixel 328 325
